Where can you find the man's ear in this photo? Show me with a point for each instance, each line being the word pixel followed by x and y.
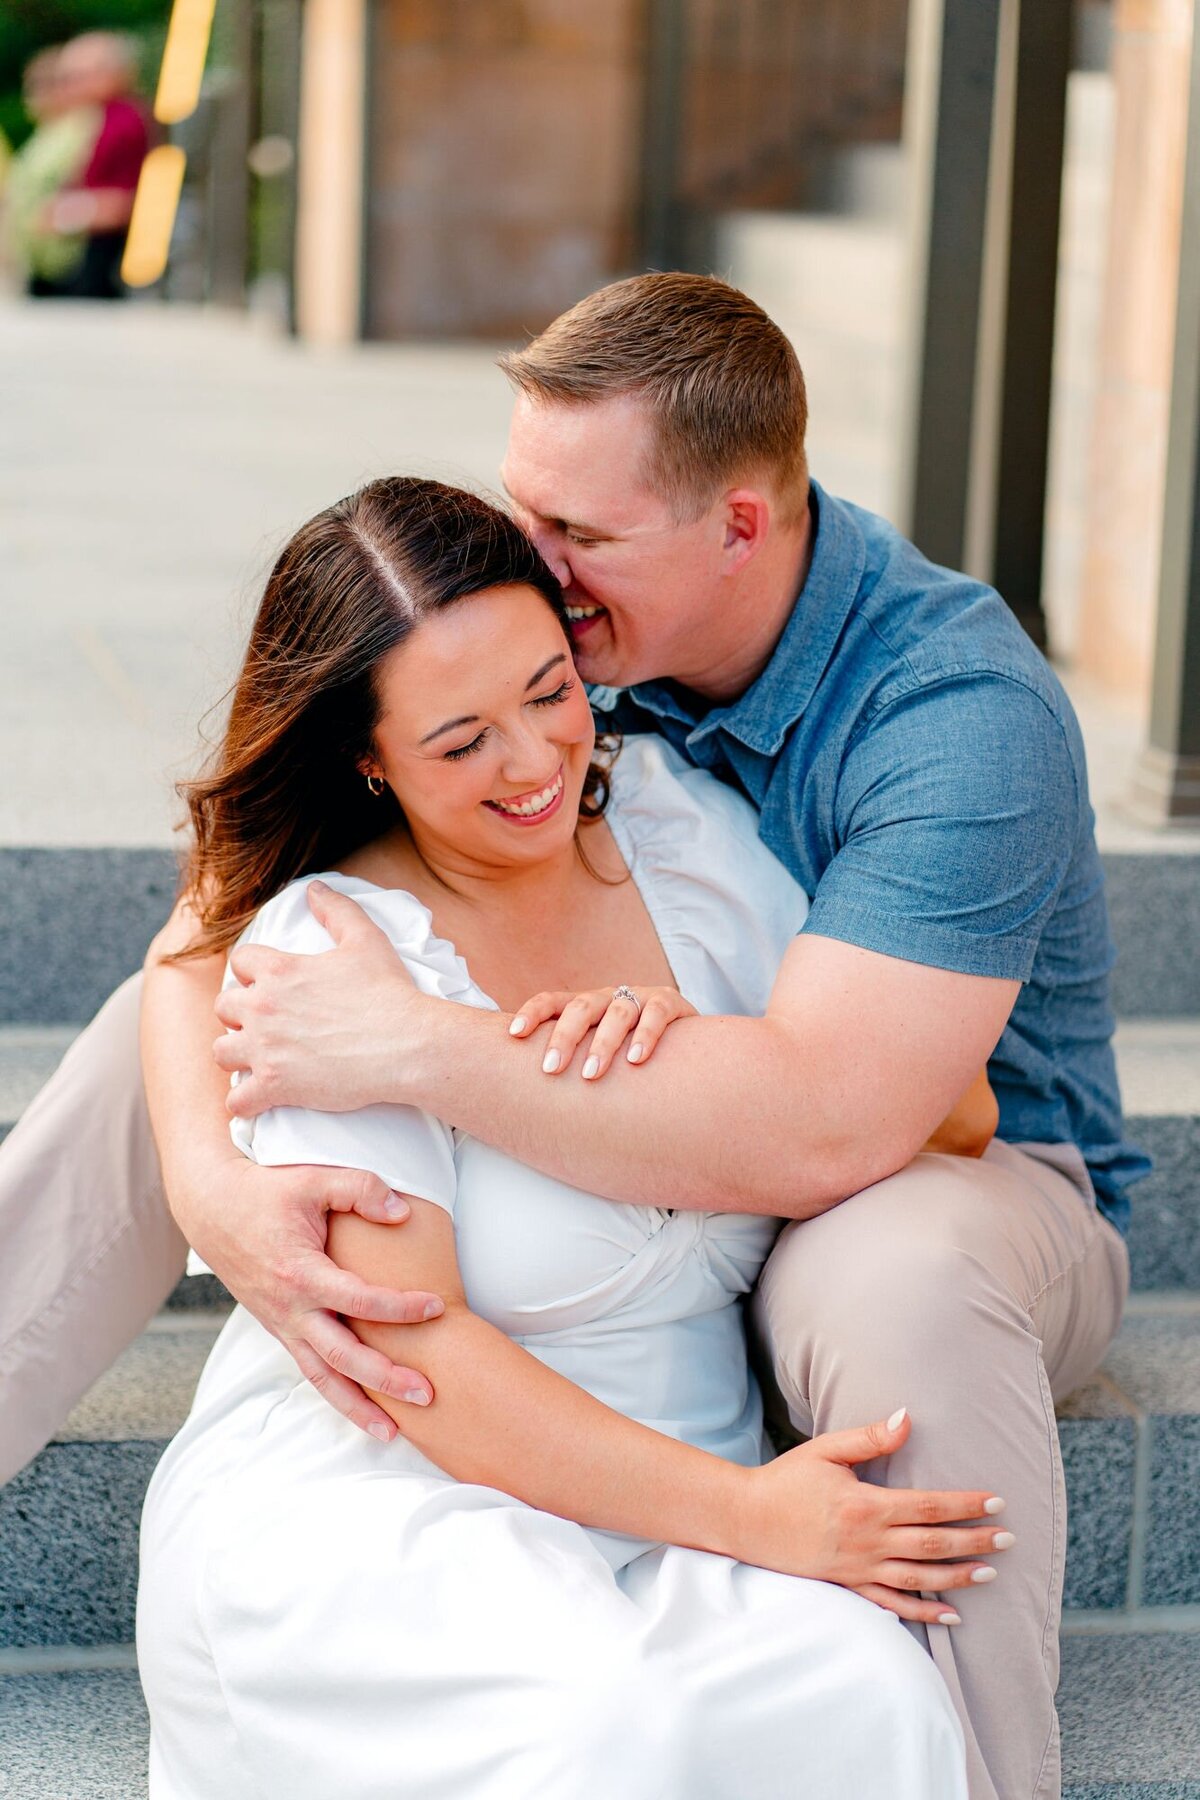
pixel 747 522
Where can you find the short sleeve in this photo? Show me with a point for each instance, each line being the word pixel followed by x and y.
pixel 409 1149
pixel 957 813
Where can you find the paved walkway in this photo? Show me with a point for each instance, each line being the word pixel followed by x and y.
pixel 152 460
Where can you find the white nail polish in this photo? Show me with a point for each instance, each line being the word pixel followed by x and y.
pixel 550 1062
pixel 591 1068
pixel 1003 1540
pixel 949 1618
pixel 416 1397
pixel 897 1419
pixel 979 1576
pixel 994 1505
pixel 636 1052
pixel 517 1026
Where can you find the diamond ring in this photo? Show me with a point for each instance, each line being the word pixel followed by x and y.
pixel 627 993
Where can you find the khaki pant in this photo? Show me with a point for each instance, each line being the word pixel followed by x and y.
pixel 975 1294
pixel 970 1292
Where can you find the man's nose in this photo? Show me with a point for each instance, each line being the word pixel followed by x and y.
pixel 552 551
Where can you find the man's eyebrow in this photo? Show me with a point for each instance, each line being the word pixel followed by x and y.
pixel 473 718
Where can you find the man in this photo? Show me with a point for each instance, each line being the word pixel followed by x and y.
pixel 918 768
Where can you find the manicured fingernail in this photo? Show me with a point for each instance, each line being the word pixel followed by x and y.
pixel 550 1062
pixel 949 1619
pixel 381 1432
pixel 1003 1540
pixel 994 1505
pixel 416 1397
pixel 897 1419
pixel 517 1026
pixel 395 1207
pixel 636 1052
pixel 979 1576
pixel 433 1309
pixel 591 1068
pixel 318 887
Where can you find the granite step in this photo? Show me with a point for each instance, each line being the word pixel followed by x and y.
pixel 75 922
pixel 1130 1439
pixel 1159 1064
pixel 1130 1711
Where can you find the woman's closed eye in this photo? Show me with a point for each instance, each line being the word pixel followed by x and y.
pixel 558 696
pixel 555 698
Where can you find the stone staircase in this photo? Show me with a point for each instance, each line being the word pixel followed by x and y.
pixel 72 1724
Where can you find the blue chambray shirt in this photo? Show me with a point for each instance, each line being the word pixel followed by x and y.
pixel 919 769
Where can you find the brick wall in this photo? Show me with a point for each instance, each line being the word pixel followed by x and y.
pixel 504 161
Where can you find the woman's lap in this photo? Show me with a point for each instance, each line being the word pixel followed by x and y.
pixel 315 1619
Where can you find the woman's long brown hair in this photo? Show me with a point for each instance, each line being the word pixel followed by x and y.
pixel 283 794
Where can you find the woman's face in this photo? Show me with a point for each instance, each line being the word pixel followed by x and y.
pixel 485 733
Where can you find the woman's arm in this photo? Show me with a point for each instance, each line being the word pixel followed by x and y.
pixel 263 1230
pixel 501 1419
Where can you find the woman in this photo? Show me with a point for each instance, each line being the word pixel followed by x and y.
pixel 573 1573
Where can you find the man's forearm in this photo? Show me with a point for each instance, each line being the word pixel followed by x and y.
pixel 723 1119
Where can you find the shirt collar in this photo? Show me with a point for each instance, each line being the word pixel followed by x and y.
pixel 762 717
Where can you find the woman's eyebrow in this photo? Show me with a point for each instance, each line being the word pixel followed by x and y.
pixel 545 669
pixel 473 718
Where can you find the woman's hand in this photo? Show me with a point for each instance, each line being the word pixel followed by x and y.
pixel 810 1515
pixel 614 1016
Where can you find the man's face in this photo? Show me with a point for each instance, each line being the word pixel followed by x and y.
pixel 640 586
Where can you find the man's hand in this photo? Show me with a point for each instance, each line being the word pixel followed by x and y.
pixel 328 1032
pixel 267 1244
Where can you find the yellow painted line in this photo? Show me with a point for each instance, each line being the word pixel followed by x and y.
pixel 183 60
pixel 154 208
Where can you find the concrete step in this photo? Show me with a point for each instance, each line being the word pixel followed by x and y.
pixel 1131 1450
pixel 1130 1439
pixel 1130 1710
pixel 75 922
pixel 1159 1064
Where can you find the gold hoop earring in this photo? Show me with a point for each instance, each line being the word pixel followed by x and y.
pixel 376 785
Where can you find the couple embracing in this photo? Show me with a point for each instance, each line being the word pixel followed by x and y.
pixel 778 964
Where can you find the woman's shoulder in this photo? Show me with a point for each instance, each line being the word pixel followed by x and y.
pixel 725 906
pixel 287 922
pixel 662 799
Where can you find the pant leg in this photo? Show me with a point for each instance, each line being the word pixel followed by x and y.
pixel 90 1249
pixel 971 1292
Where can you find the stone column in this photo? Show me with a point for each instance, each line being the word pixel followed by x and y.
pixel 1129 435
pixel 329 196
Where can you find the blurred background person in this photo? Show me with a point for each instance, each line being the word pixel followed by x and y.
pixel 98 74
pixel 47 253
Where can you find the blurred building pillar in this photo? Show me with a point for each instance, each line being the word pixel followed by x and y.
pixel 330 176
pixel 1167 783
pixel 984 125
pixel 952 51
pixel 1129 439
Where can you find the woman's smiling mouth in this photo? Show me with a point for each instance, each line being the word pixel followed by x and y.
pixel 531 809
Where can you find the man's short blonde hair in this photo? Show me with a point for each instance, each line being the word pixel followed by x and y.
pixel 723 386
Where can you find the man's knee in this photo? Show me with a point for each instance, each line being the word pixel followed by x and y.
pixel 885 1284
pixel 917 1236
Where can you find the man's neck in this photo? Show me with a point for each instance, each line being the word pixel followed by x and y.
pixel 767 600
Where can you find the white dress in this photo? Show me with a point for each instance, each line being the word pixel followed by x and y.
pixel 324 1617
